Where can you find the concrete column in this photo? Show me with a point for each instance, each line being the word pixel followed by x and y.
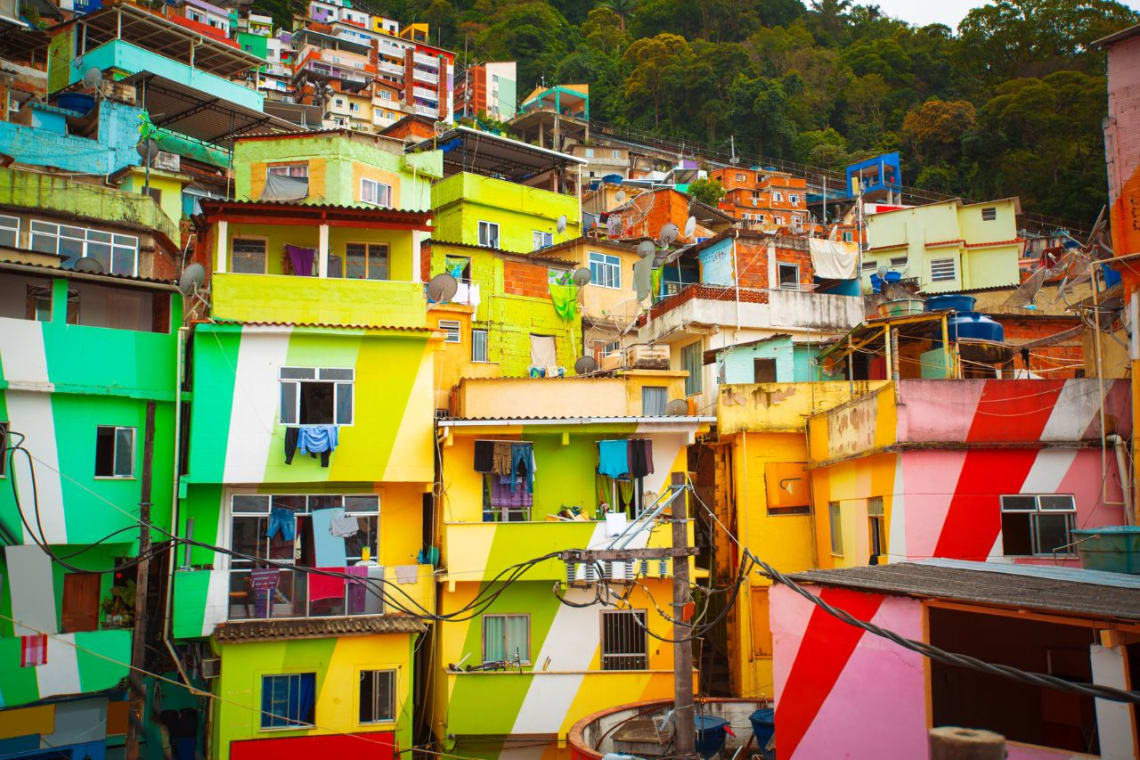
pixel 323 251
pixel 222 245
pixel 1113 719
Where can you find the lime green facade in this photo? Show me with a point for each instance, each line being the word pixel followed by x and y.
pixel 463 200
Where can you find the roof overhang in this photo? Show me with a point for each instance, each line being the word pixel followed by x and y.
pixel 470 150
pixel 305 214
pixel 678 421
pixel 200 115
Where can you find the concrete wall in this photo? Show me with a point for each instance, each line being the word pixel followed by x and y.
pixel 112 150
pixel 567 397
pixel 1122 145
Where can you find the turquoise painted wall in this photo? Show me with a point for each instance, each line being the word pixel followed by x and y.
pixel 113 150
pixel 793 361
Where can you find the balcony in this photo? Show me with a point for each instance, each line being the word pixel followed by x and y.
pixel 315 300
pixel 697 306
pixel 425 60
pixel 425 111
pixel 391 68
pixel 426 76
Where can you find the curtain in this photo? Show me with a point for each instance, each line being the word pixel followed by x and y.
pixel 493 644
pixel 518 643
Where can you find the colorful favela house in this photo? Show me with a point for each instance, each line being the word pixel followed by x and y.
pixel 309 460
pixel 89 358
pixel 530 467
pixel 845 692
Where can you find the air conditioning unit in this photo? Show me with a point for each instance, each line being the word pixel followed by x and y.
pixel 211 667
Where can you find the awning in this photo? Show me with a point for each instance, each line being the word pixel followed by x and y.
pixel 198 114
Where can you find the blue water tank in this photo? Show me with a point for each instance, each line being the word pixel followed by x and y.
pixel 711 735
pixel 974 326
pixel 951 301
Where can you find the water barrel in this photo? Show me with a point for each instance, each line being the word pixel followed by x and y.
pixel 763 726
pixel 79 102
pixel 1114 548
pixel 711 734
pixel 954 302
pixel 974 326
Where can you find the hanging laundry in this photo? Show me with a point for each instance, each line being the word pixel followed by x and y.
pixel 613 457
pixel 329 549
pixel 344 526
pixel 318 439
pixel 326 586
pixel 522 463
pixel 33 650
pixel 505 494
pixel 301 259
pixel 407 573
pixel 565 300
pixel 501 459
pixel 357 589
pixel 484 456
pixel 281 520
pixel 292 434
pixel 640 457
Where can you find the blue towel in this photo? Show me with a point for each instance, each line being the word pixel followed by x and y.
pixel 613 458
pixel 329 549
pixel 314 439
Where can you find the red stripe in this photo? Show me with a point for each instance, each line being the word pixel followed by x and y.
pixel 974 518
pixel 1014 411
pixel 826 647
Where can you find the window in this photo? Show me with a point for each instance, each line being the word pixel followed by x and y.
pixel 248 256
pixel 777 220
pixel 833 514
pixel 451 329
pixel 692 361
pixel 375 193
pixel 39 302
pixel 653 399
pixel 848 237
pixel 114 452
pixel 377 696
pixel 989 214
pixel 280 528
pixel 739 177
pixel 777 196
pixel 624 640
pixel 589 152
pixel 365 261
pixel 541 239
pixel 293 171
pixel 763 370
pixel 339 101
pixel 876 528
pixel 1037 524
pixel 117 253
pixel 870 265
pixel 789 276
pixel 617 154
pixel 478 345
pixel 942 270
pixel 489 234
pixel 289 700
pixel 9 230
pixel 898 261
pixel 605 270
pixel 793 199
pixel 312 396
pixel 506 638
pixel 543 351
pixel 354 106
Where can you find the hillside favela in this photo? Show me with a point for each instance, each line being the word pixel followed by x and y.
pixel 569 380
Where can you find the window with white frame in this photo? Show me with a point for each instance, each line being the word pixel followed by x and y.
pixel 624 642
pixel 605 270
pixel 848 236
pixel 506 638
pixel 450 328
pixel 793 199
pixel 943 269
pixel 278 528
pixel 9 230
pixel 366 261
pixel 294 170
pixel 377 696
pixel 288 701
pixel 1037 524
pixel 248 256
pixel 478 345
pixel 117 253
pixel 375 193
pixel 489 234
pixel 114 451
pixel 312 396
pixel 385 95
pixel 777 196
pixel 540 239
pixel 789 275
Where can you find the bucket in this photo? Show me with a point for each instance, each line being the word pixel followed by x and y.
pixel 711 734
pixel 1113 548
pixel 763 726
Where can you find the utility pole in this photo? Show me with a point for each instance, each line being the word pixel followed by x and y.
pixel 142 572
pixel 684 714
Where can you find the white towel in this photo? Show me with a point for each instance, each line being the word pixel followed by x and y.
pixel 344 526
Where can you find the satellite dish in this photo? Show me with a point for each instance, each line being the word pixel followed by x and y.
pixel 93 77
pixel 192 278
pixel 562 223
pixel 585 365
pixel 442 288
pixel 646 248
pixel 678 407
pixel 581 277
pixel 690 227
pixel 620 197
pixel 88 264
pixel 669 233
pixel 882 272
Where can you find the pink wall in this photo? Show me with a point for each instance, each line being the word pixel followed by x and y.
pixel 843 693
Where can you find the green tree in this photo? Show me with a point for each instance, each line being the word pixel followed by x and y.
pixel 651 60
pixel 707 191
pixel 622 9
pixel 532 33
pixel 933 131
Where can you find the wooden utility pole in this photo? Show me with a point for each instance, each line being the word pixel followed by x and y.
pixel 142 572
pixel 954 743
pixel 684 715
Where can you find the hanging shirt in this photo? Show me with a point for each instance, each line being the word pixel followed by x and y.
pixel 314 439
pixel 613 458
pixel 501 458
pixel 640 457
pixel 484 456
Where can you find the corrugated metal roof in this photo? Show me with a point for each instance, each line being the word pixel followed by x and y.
pixel 330 325
pixel 301 206
pixel 1034 587
pixel 46 269
pixel 240 631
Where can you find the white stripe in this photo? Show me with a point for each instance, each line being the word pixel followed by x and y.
pixel 22 348
pixel 254 412
pixel 32 590
pixel 61 673
pixel 1077 404
pixel 896 542
pixel 1048 470
pixel 218 587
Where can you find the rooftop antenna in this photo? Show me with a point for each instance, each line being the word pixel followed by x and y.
pixel 585 365
pixel 620 196
pixel 646 248
pixel 678 407
pixel 561 225
pixel 669 233
pixel 581 277
pixel 690 228
pixel 442 288
pixel 93 77
pixel 89 265
pixel 191 281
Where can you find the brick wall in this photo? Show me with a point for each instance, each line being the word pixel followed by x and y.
pixel 521 278
pixel 752 261
pixel 1058 361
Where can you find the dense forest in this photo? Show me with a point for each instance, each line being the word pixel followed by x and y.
pixel 1011 103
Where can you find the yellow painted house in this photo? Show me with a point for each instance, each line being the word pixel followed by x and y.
pixel 517 671
pixel 948 246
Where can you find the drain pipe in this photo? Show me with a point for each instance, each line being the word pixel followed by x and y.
pixel 1125 476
